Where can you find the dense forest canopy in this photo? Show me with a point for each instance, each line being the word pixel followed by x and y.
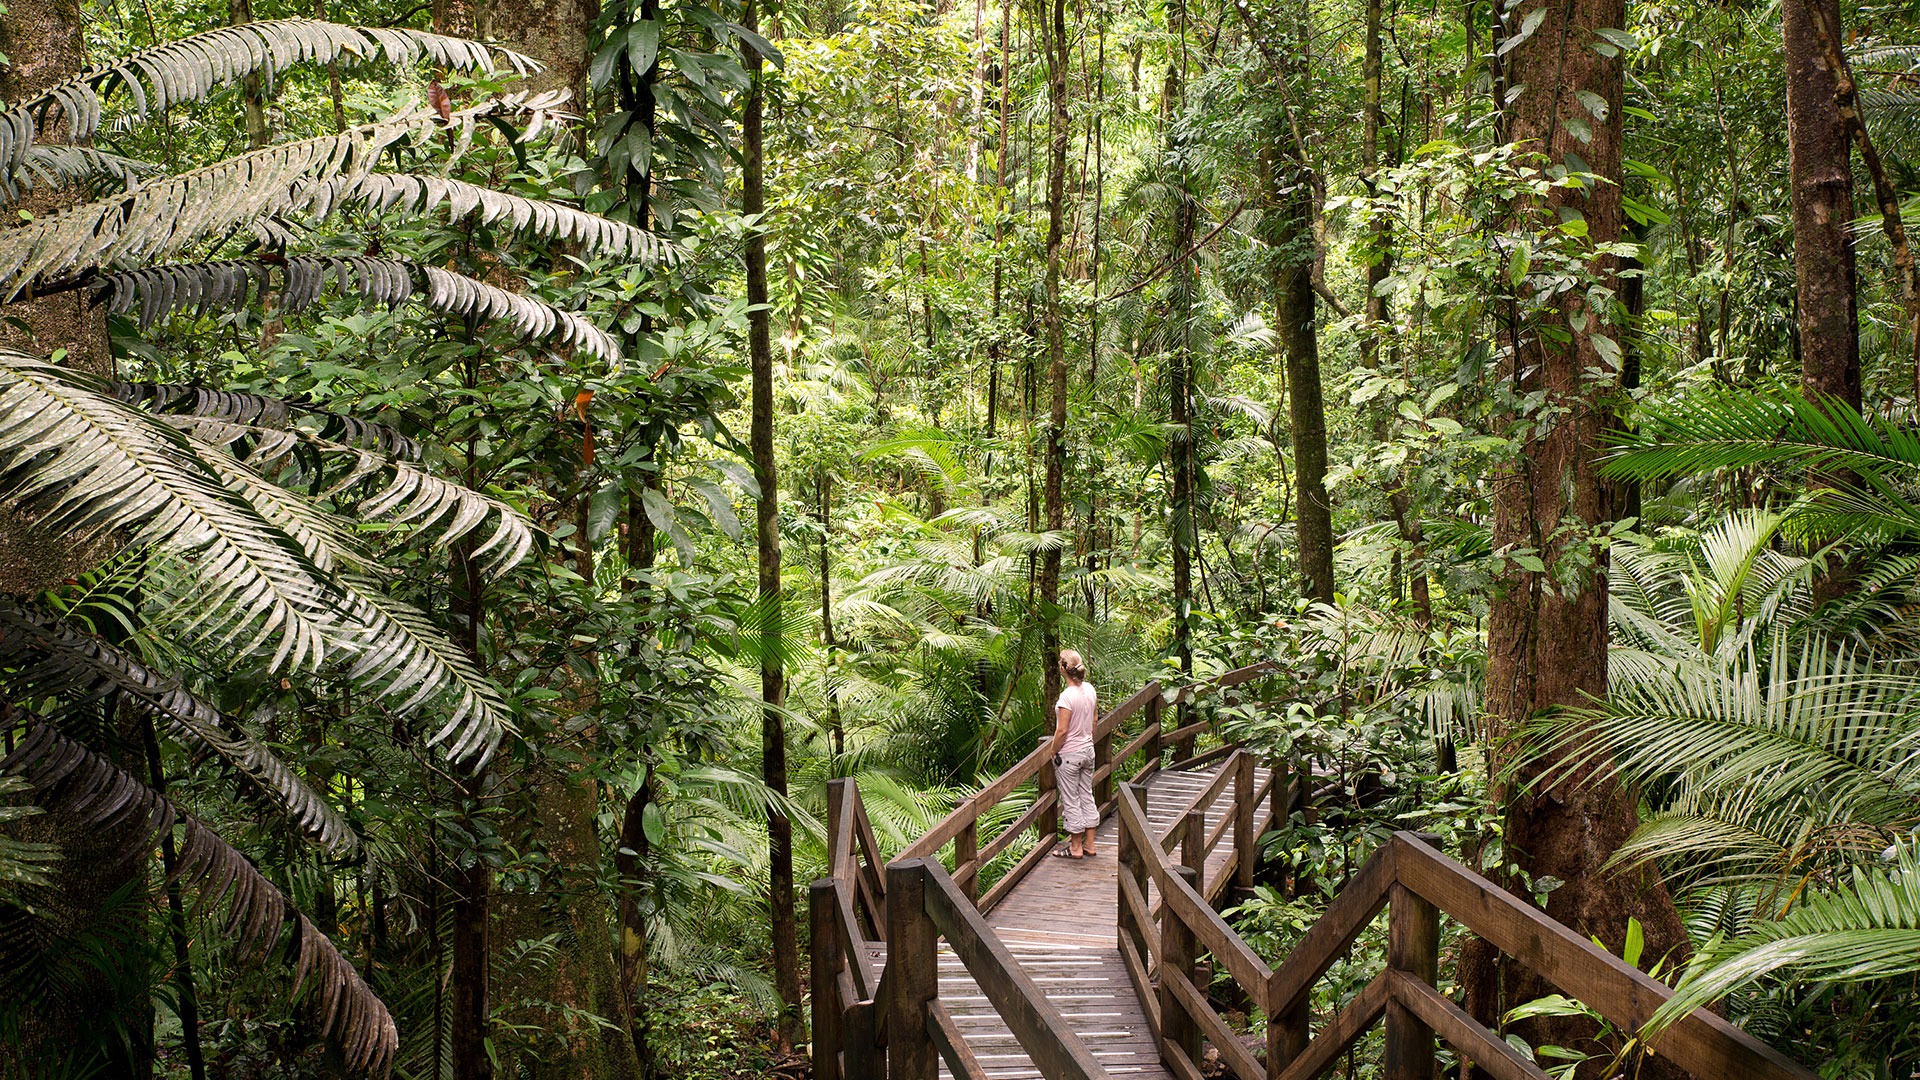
pixel 476 470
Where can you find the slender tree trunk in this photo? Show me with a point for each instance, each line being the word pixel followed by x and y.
pixel 773 680
pixel 473 886
pixel 1547 641
pixel 1054 40
pixel 823 516
pixel 1819 166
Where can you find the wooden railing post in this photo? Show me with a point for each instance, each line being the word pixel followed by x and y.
pixel 913 974
pixel 1246 844
pixel 1047 827
pixel 827 962
pixel 864 1059
pixel 1176 954
pixel 1133 864
pixel 1413 946
pixel 966 848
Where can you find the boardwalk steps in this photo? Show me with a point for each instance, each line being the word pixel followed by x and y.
pixel 1083 969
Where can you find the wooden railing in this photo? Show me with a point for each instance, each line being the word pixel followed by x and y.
pixel 856 912
pixel 1161 946
pixel 973 852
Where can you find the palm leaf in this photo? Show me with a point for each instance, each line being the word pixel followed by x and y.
pixel 47 657
pixel 315 176
pixel 162 76
pixel 268 412
pixel 159 291
pixel 400 648
pixel 71 780
pixel 94 467
pixel 56 167
pixel 1868 928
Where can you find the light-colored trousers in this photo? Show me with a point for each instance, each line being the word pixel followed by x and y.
pixel 1078 811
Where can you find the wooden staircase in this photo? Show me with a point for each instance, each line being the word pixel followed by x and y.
pixel 1088 969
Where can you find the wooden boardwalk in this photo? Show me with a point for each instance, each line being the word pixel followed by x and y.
pixel 1060 924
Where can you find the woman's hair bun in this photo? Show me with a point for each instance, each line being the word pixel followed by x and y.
pixel 1072 664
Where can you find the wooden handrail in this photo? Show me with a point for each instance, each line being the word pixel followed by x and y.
pixel 1035 1022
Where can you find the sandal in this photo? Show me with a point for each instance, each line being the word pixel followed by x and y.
pixel 1064 853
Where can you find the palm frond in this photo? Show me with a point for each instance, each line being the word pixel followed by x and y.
pixel 56 167
pixel 1732 429
pixel 228 285
pixel 22 863
pixel 400 648
pixel 92 466
pixel 1868 928
pixel 47 657
pixel 162 76
pixel 315 176
pixel 387 488
pixel 268 412
pixel 71 780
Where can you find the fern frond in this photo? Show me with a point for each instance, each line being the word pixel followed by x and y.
pixel 159 291
pixel 267 412
pixel 70 779
pixel 400 647
pixel 162 76
pixel 92 466
pixel 314 176
pixel 46 657
pixel 402 492
pixel 56 167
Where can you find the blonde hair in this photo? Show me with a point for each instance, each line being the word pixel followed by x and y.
pixel 1073 665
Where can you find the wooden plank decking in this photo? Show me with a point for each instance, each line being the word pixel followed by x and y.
pixel 1060 924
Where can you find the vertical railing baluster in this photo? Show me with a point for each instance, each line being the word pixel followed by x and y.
pixel 966 848
pixel 1246 844
pixel 1413 947
pixel 1193 848
pixel 913 974
pixel 1047 827
pixel 1156 745
pixel 1102 757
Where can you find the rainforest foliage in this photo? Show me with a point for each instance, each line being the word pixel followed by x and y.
pixel 475 470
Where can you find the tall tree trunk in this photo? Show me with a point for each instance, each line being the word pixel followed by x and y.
pixel 97 894
pixel 553 32
pixel 1054 40
pixel 1183 529
pixel 773 679
pixel 1547 639
pixel 1294 305
pixel 1825 277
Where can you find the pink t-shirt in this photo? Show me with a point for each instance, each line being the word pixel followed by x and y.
pixel 1083 708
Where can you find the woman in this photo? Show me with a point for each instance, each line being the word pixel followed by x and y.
pixel 1077 710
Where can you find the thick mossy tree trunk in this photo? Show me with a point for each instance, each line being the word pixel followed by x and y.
pixel 1060 128
pixel 773 676
pixel 1547 632
pixel 91 1015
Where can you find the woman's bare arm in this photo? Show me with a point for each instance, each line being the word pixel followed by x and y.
pixel 1065 718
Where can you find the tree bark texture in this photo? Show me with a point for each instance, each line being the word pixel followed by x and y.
pixel 1547 640
pixel 773 683
pixel 1182 528
pixel 1061 128
pixel 553 32
pixel 1819 166
pixel 1290 232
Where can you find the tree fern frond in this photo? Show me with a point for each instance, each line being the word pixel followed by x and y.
pixel 400 647
pixel 399 491
pixel 92 466
pixel 70 779
pixel 158 291
pixel 162 76
pixel 268 412
pixel 1868 928
pixel 46 657
pixel 315 176
pixel 56 167
pixel 420 194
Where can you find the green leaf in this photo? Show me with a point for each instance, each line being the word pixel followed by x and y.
pixel 1635 944
pixel 603 512
pixel 1527 27
pixel 659 510
pixel 653 825
pixel 643 45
